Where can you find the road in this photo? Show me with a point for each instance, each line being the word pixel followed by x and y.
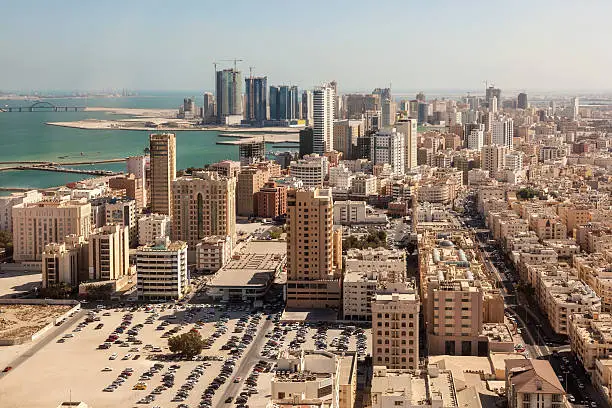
pixel 50 336
pixel 248 362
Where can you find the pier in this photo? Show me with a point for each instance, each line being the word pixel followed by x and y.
pixel 60 169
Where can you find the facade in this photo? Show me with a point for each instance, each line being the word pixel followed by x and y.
pixel 256 90
pixel 271 200
pixel 250 181
pixel 346 133
pixel 314 379
pixel 313 279
pixel 229 94
pixel 134 189
pixel 123 212
pixel 502 132
pixel 65 263
pixel 522 102
pixel 8 202
pixel 226 168
pixel 161 270
pixel 306 142
pixel 109 252
pixel 311 169
pixel 395 329
pixel 408 128
pixel 252 152
pixel 37 224
pixel 163 171
pixel 323 119
pixel 356 212
pixel 204 205
pixel 492 158
pixel 308 107
pixel 153 226
pixel 387 146
pixel 212 253
pixel 533 383
pixel 475 139
pixel 340 177
pixel 364 184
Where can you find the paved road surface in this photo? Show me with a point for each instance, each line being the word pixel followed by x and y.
pixel 249 360
pixel 50 336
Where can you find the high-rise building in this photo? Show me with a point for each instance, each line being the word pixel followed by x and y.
pixel 161 270
pixel 37 224
pixel 408 128
pixel 575 109
pixel 493 104
pixel 323 129
pixel 229 93
pixel 163 171
pixel 274 102
pixel 123 212
pixel 423 112
pixel 522 102
pixel 313 279
pixel 134 189
pixel 475 139
pixel 306 141
pixel 307 107
pixel 271 200
pixel 66 262
pixel 209 112
pixel 395 329
pixel 256 99
pixel 491 92
pixel 492 157
pixel 502 132
pixel 389 109
pixel 8 202
pixel 252 152
pixel 249 182
pixel 204 204
pixel 346 133
pixel 358 104
pixel 109 252
pixel 387 146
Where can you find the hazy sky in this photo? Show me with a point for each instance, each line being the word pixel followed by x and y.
pixel 424 44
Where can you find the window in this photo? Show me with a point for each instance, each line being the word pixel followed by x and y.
pixel 399 403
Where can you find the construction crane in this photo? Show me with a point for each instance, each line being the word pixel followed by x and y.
pixel 236 60
pixel 251 72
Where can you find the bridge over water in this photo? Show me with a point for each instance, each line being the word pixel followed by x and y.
pixel 41 106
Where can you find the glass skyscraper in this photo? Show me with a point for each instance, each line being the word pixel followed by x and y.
pixel 284 103
pixel 256 98
pixel 229 93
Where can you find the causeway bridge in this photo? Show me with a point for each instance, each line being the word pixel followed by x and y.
pixel 41 106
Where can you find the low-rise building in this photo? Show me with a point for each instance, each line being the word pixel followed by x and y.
pixel 590 337
pixel 533 383
pixel 66 262
pixel 152 226
pixel 356 212
pixel 212 253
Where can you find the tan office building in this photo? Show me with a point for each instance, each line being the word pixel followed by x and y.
pixel 250 180
pixel 109 253
pixel 163 171
pixel 313 279
pixel 204 204
pixel 65 263
pixel 38 224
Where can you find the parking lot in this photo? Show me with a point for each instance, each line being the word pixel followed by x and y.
pixel 119 357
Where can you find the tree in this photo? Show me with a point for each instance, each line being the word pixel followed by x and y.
pixel 6 242
pixel 188 344
pixel 56 291
pixel 275 233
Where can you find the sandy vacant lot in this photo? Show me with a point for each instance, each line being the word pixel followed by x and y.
pixel 25 320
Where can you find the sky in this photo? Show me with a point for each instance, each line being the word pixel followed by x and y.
pixel 412 45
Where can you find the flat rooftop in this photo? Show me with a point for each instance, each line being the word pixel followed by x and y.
pixel 248 270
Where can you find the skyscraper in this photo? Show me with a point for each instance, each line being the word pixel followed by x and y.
pixel 502 132
pixel 163 171
pixel 575 108
pixel 387 146
pixel 492 157
pixel 256 99
pixel 307 107
pixel 389 108
pixel 323 129
pixel 208 108
pixel 229 93
pixel 284 103
pixel 423 112
pixel 522 102
pixel 408 128
pixel 313 277
pixel 274 102
pixel 252 152
pixel 490 93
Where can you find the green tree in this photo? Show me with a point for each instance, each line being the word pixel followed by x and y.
pixel 56 291
pixel 275 233
pixel 6 242
pixel 188 344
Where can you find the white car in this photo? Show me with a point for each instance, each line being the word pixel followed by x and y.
pixel 113 356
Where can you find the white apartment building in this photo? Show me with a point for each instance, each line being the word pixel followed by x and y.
pixel 513 161
pixel 476 138
pixel 408 128
pixel 323 118
pixel 492 157
pixel 311 169
pixel 356 212
pixel 387 146
pixel 502 132
pixel 364 184
pixel 214 252
pixel 123 212
pixel 341 177
pixel 152 226
pixel 161 270
pixel 109 252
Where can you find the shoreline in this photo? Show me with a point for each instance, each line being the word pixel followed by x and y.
pixel 97 124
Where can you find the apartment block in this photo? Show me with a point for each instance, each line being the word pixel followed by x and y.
pixel 109 253
pixel 590 338
pixel 547 226
pixel 594 270
pixel 212 253
pixel 271 200
pixel 533 383
pixel 250 180
pixel 134 189
pixel 123 212
pixel 313 276
pixel 356 212
pixel 37 224
pixel 161 270
pixel 152 226
pixel 65 263
pixel 163 171
pixel 311 169
pixel 314 378
pixel 204 204
pixel 226 168
pixel 8 202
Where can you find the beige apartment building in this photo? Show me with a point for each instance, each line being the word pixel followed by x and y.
pixel 533 384
pixel 163 171
pixel 313 274
pixel 161 270
pixel 109 252
pixel 37 224
pixel 594 270
pixel 590 337
pixel 123 212
pixel 574 215
pixel 547 226
pixel 395 329
pixel 226 168
pixel 134 189
pixel 212 253
pixel 66 262
pixel 204 204
pixel 250 180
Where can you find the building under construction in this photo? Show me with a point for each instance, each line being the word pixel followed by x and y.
pixel 252 152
